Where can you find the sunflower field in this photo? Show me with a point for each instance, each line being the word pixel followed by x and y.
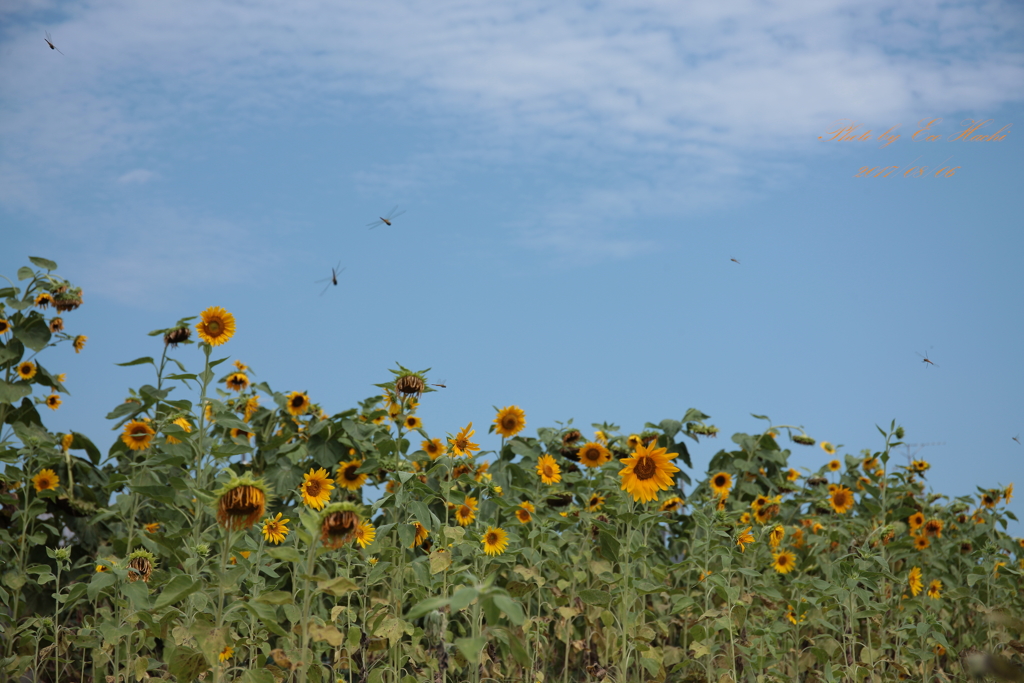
pixel 234 532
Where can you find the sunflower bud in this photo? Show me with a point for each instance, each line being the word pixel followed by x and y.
pixel 803 440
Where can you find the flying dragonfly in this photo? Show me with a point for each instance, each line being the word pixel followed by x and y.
pixel 926 359
pixel 50 43
pixel 333 279
pixel 442 384
pixel 1017 438
pixel 732 259
pixel 386 220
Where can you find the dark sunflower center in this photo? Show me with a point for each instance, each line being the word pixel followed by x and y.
pixel 783 561
pixel 492 538
pixel 719 481
pixel 350 473
pixel 590 454
pixel 548 471
pixel 313 489
pixel 509 422
pixel 297 402
pixel 464 511
pixel 645 468
pixel 213 326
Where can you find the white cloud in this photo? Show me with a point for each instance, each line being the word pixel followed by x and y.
pixel 137 176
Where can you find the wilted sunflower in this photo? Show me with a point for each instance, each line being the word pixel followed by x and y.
pixel 593 454
pixel 5 326
pixel 466 513
pixel 720 484
pixel 461 445
pixel 841 500
pixel 140 566
pixel 79 342
pixel 45 480
pixel 834 466
pixel 784 562
pixel 137 435
pixel 510 421
pixel 298 403
pixel 339 524
pixel 241 501
pixel 646 472
pixel 184 424
pixel 27 370
pixel 776 535
pixel 802 439
pixel 56 325
pixel 828 447
pixel 53 401
pixel 744 538
pixel 434 448
pixel 43 299
pixel 177 335
pixel 933 527
pixel 365 533
pixel 217 326
pixel 316 488
pixel 548 469
pixel 275 529
pixel 673 504
pixel 495 541
pixel 461 469
pixel 935 589
pixel 348 475
pixel 237 381
pixel 413 422
pixel 421 534
pixel 792 616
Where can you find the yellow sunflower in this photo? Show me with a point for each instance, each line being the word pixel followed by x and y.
pixel 46 480
pixel 759 502
pixel 79 342
pixel 915 521
pixel 66 441
pixel 217 326
pixel 461 445
pixel 433 447
pixel 510 421
pixel 919 466
pixel 1008 493
pixel 43 300
pixel 914 580
pixel 275 529
pixel 523 516
pixel 466 513
pixel 548 469
pixel 152 527
pixel 53 401
pixel 841 500
pixel 921 542
pixel 101 568
pixel 252 404
pixel 184 424
pixel 634 441
pixel 933 527
pixel 413 422
pixel 870 464
pixel 298 403
pixel 601 437
pixel 791 615
pixel 720 484
pixel 935 589
pixel 784 562
pixel 56 325
pixel 316 488
pixel 5 326
pixel 349 477
pixel 226 654
pixel 834 465
pixel 792 475
pixel 776 535
pixel 528 506
pixel 593 454
pixel 27 370
pixel 595 502
pixel 237 381
pixel 646 472
pixel 137 435
pixel 673 504
pixel 237 433
pixel 828 447
pixel 421 534
pixel 744 538
pixel 495 541
pixel 364 534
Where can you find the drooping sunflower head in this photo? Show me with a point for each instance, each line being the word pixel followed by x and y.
pixel 140 566
pixel 349 476
pixel 45 480
pixel 510 421
pixel 339 524
pixel 241 501
pixel 495 540
pixel 433 447
pixel 721 484
pixel 841 500
pixel 410 384
pixel 593 454
pixel 784 562
pixel 79 342
pixel 316 488
pixel 466 513
pixel 421 534
pixel 26 370
pixel 137 435
pixel 43 299
pixel 275 529
pixel 297 403
pixel 549 471
pixel 238 381
pixel 177 335
pixel 802 439
pixel 216 327
pixel 646 472
pixel 673 504
pixel 56 325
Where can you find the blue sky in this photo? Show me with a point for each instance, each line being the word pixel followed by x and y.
pixel 576 181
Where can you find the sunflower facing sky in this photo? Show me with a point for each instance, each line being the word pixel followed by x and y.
pixel 548 469
pixel 460 445
pixel 593 454
pixel 495 541
pixel 646 472
pixel 510 421
pixel 275 529
pixel 217 326
pixel 316 488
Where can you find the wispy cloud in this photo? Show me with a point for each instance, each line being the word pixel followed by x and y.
pixel 137 176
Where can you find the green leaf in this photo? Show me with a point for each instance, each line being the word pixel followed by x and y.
pixel 337 586
pixel 595 597
pixel 511 608
pixel 33 333
pixel 13 392
pixel 138 594
pixel 471 647
pixel 609 546
pixel 179 588
pixel 286 554
pixel 25 273
pixel 44 263
pixel 256 676
pixel 276 598
pixel 186 664
pixel 463 597
pixel 425 606
pixel 137 361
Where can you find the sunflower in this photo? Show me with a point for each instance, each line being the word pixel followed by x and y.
pixel 316 488
pixel 744 538
pixel 792 475
pixel 226 654
pixel 44 299
pixel 348 475
pixel 915 521
pixel 298 403
pixel 841 500
pixel 792 616
pixel 548 469
pixel 5 326
pixel 720 484
pixel 764 515
pixel 152 527
pixel 744 519
pixel 237 381
pixel 1008 493
pixel 275 529
pixel 510 421
pixel 421 534
pixel 595 502
pixel 933 527
pixel 935 589
pixel 593 454
pixel 340 523
pixel 56 325
pixel 413 422
pixel 784 562
pixel 102 568
pixel 433 447
pixel 184 424
pixel 523 516
pixel 528 506
pixel 601 437
pixel 921 542
pixel 46 480
pixel 495 541
pixel 237 433
pixel 466 513
pixel 137 435
pixel 673 504
pixel 481 472
pixel 919 466
pixel 834 466
pixel 140 566
pixel 461 445
pixel 66 441
pixel 776 535
pixel 27 370
pixel 646 472
pixel 217 327
pixel 828 447
pixel 989 499
pixel 79 342
pixel 759 502
pixel 365 533
pixel 461 469
pixel 241 502
pixel 798 538
pixel 869 464
pixel 53 401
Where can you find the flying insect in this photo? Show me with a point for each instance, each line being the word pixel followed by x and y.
pixel 386 220
pixel 926 359
pixel 50 43
pixel 442 384
pixel 333 279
